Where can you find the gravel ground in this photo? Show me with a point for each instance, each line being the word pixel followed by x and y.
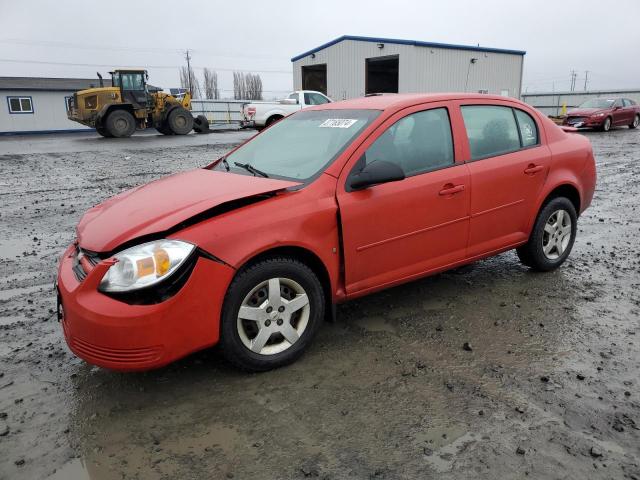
pixel 548 387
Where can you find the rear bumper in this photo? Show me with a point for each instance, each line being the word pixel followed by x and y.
pixel 248 124
pixel 119 336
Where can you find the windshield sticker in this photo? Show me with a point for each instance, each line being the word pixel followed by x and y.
pixel 338 123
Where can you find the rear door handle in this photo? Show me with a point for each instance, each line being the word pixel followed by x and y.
pixel 533 169
pixel 450 189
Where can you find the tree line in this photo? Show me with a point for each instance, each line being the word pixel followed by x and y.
pixel 246 86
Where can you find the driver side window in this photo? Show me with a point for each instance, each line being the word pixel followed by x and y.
pixel 418 143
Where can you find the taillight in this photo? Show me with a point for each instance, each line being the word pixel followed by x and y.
pixel 251 111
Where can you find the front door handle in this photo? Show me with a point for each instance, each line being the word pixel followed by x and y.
pixel 532 169
pixel 450 189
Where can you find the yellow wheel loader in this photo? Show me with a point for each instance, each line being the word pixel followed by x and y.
pixel 130 103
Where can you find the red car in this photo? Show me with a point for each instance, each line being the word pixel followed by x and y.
pixel 329 204
pixel 604 113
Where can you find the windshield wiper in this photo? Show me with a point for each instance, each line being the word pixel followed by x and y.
pixel 249 168
pixel 225 163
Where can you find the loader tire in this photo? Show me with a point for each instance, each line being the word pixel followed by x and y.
pixel 103 131
pixel 180 121
pixel 164 129
pixel 201 124
pixel 120 124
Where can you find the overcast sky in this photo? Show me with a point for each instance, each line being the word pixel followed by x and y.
pixel 74 38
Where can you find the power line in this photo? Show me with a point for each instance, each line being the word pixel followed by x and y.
pixel 176 51
pixel 71 64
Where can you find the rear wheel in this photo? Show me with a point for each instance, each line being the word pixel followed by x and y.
pixel 120 124
pixel 636 122
pixel 606 126
pixel 272 120
pixel 180 121
pixel 552 236
pixel 271 313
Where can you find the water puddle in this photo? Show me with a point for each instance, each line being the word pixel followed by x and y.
pixel 74 470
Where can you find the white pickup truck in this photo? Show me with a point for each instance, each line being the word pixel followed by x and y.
pixel 262 114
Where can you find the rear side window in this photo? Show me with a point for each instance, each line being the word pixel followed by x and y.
pixel 491 130
pixel 418 143
pixel 527 127
pixel 314 99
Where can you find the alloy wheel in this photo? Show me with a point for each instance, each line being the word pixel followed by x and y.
pixel 557 234
pixel 273 316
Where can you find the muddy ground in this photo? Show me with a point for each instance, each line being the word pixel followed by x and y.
pixel 550 388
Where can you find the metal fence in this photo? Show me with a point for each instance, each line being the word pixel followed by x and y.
pixel 550 103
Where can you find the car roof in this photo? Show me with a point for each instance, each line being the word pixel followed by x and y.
pixel 403 100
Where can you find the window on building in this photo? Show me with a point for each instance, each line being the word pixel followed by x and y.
pixel 20 104
pixel 491 130
pixel 418 143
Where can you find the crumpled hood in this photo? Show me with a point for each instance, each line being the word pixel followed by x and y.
pixel 164 203
pixel 585 112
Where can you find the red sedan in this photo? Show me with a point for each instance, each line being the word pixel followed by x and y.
pixel 604 113
pixel 329 204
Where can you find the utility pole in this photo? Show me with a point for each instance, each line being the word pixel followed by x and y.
pixel 586 79
pixel 574 75
pixel 189 72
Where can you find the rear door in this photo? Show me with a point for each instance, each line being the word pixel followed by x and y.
pixel 508 164
pixel 399 230
pixel 619 114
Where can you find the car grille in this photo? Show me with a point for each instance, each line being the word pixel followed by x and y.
pixel 573 120
pixel 79 269
pixel 121 356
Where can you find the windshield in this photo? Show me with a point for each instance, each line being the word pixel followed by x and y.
pixel 300 146
pixel 598 103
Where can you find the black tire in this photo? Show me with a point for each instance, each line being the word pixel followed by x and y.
pixel 102 131
pixel 636 122
pixel 247 280
pixel 606 125
pixel 164 129
pixel 272 120
pixel 120 124
pixel 532 253
pixel 201 124
pixel 180 121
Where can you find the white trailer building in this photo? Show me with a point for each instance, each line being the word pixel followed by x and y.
pixel 352 66
pixel 39 105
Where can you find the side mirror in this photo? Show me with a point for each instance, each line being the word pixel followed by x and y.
pixel 289 101
pixel 376 172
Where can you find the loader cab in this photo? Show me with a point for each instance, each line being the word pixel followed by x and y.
pixel 133 87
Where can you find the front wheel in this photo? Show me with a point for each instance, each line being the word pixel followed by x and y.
pixel 606 126
pixel 271 313
pixel 180 121
pixel 636 122
pixel 552 236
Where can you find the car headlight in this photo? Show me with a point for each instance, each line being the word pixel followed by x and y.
pixel 598 115
pixel 145 265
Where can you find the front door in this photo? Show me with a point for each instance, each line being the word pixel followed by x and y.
pixel 398 230
pixel 508 165
pixel 134 89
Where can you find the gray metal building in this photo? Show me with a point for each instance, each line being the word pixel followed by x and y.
pixel 550 103
pixel 352 66
pixel 39 105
